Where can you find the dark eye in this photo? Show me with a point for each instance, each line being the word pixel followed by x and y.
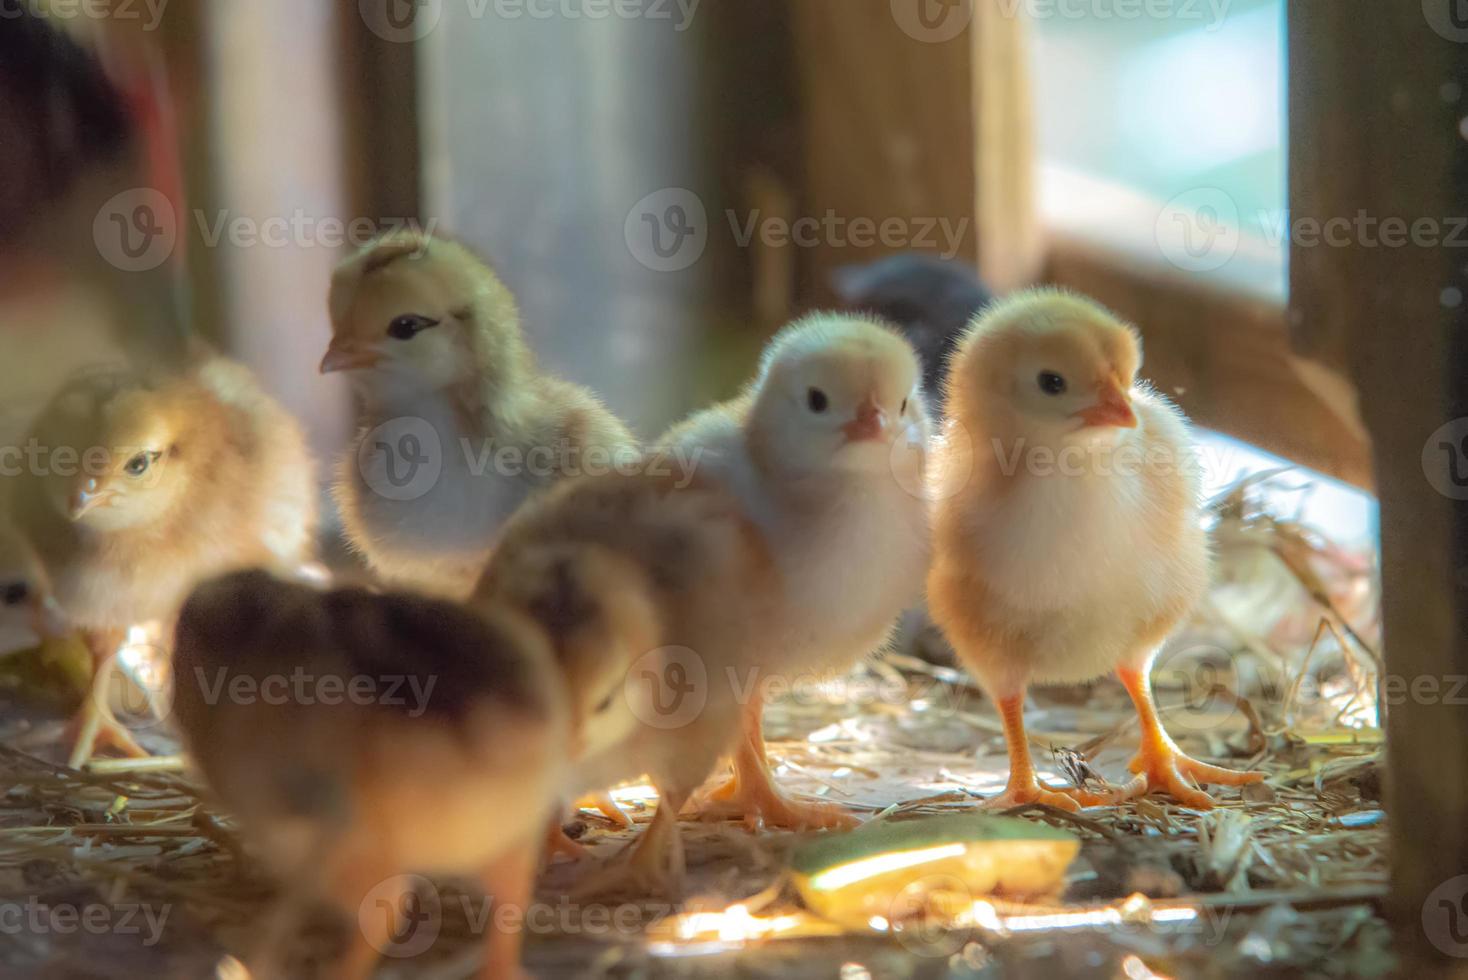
pixel 15 593
pixel 903 409
pixel 138 465
pixel 604 704
pixel 1051 383
pixel 409 325
pixel 817 400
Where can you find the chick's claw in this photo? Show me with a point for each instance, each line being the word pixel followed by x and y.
pixel 1163 768
pixel 1062 798
pixel 94 728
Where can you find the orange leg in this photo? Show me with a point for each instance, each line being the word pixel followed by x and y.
pixel 1024 784
pixel 558 842
pixel 607 807
pixel 508 883
pixel 94 726
pixel 651 865
pixel 753 794
pixel 1161 765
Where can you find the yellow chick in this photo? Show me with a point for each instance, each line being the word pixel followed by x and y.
pixel 362 738
pixel 826 455
pixel 137 488
pixel 655 583
pixel 1067 534
pixel 458 424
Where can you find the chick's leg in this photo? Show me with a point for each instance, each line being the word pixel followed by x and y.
pixel 1024 784
pixel 94 726
pixel 752 791
pixel 1161 765
pixel 652 865
pixel 508 885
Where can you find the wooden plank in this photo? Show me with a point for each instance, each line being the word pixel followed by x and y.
pixel 1376 107
pixel 1225 358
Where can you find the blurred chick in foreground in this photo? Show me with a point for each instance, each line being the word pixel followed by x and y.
pixel 931 300
pixel 826 456
pixel 143 486
pixel 431 335
pixel 658 586
pixel 1068 541
pixel 447 758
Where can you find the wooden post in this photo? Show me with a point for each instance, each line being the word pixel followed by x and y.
pixel 1378 94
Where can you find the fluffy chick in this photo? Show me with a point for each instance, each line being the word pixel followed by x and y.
pixel 647 590
pixel 441 750
pixel 825 454
pixel 1067 534
pixel 148 486
pixel 445 380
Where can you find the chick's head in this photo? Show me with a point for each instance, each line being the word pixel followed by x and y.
pixel 421 313
pixel 599 611
pixel 132 450
pixel 1048 366
pixel 837 392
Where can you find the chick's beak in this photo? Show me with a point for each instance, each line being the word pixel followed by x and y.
pixel 87 498
pixel 870 422
pixel 348 357
pixel 1112 408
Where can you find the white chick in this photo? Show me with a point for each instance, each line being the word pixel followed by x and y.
pixel 1067 536
pixel 826 455
pixel 420 738
pixel 141 487
pixel 446 382
pixel 655 585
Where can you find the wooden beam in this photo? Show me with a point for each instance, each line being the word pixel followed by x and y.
pixel 1376 107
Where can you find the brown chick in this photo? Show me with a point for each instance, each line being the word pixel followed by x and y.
pixel 142 487
pixel 359 738
pixel 655 585
pixel 458 424
pixel 1068 540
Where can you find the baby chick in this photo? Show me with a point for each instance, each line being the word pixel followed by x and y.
pixel 446 381
pixel 647 591
pixel 145 487
pixel 359 738
pixel 1067 536
pixel 825 454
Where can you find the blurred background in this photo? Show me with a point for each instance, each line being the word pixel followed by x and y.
pixel 663 183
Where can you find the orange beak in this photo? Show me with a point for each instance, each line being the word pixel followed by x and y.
pixel 870 422
pixel 1111 409
pixel 348 357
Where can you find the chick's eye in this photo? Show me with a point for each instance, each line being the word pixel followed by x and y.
pixel 1051 383
pixel 903 409
pixel 14 594
pixel 604 704
pixel 409 325
pixel 138 465
pixel 817 400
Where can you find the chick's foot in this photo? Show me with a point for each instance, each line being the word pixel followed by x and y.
pixel 1024 792
pixel 1162 767
pixel 94 728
